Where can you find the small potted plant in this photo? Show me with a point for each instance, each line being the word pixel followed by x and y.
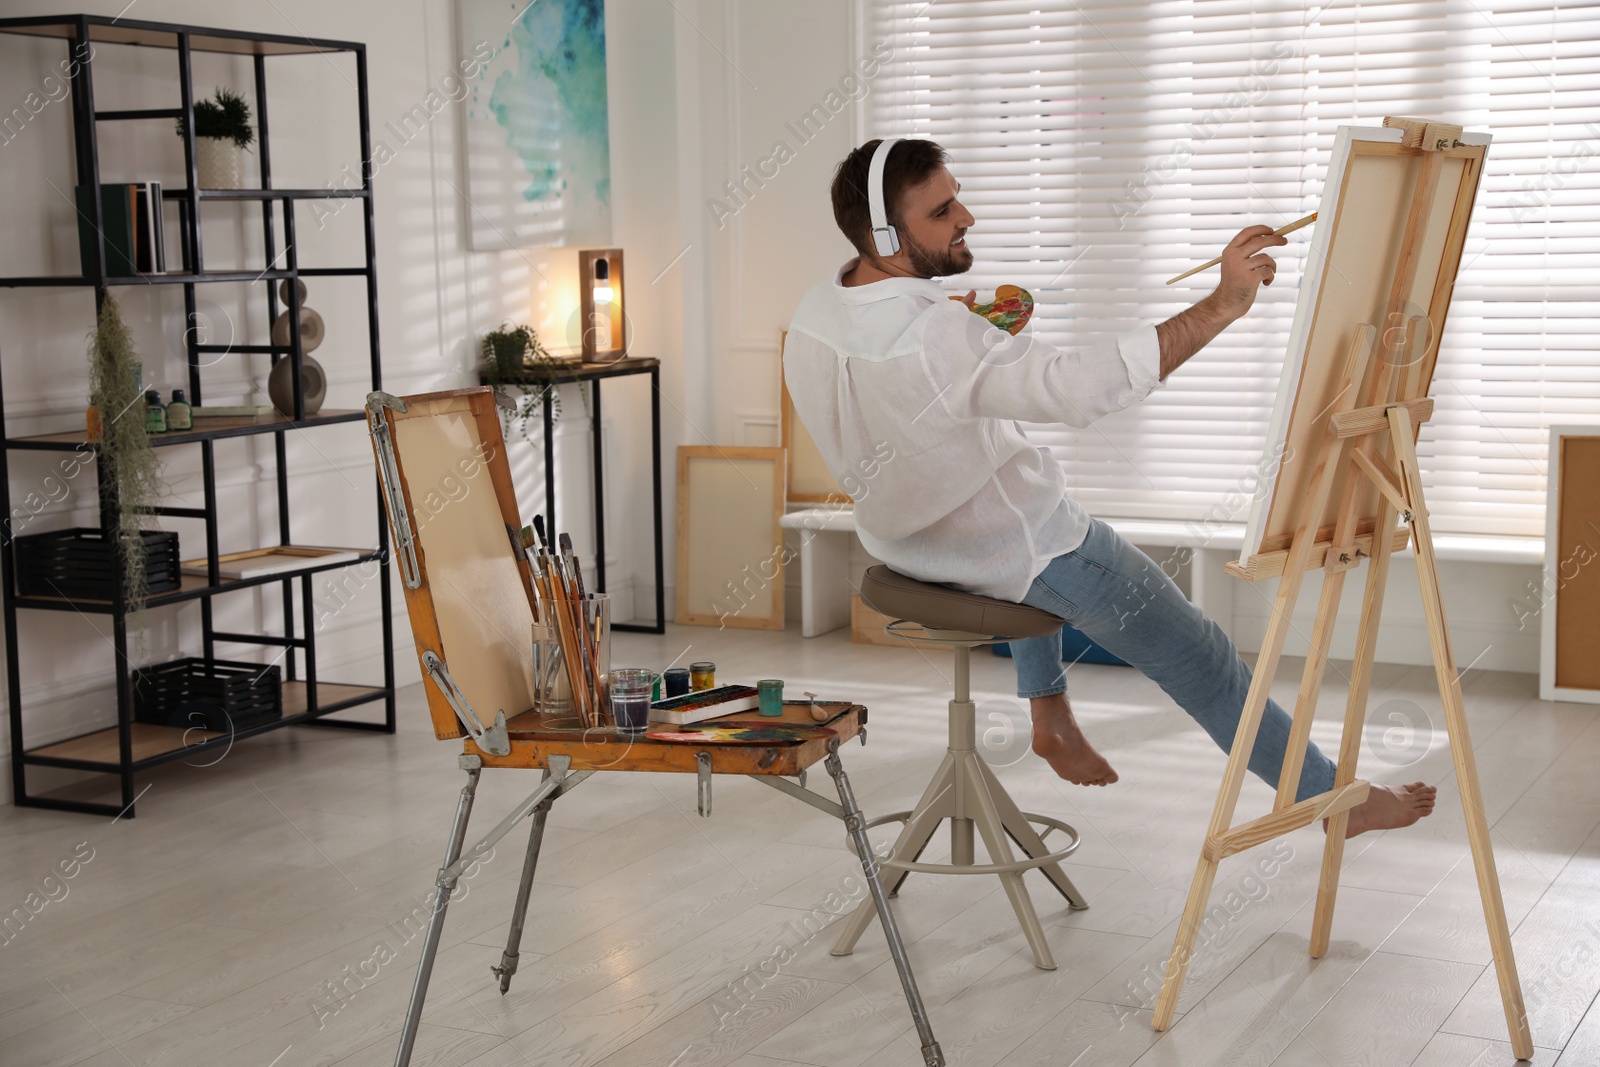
pixel 514 356
pixel 221 132
pixel 509 348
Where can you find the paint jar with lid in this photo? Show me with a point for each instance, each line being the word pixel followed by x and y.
pixel 702 675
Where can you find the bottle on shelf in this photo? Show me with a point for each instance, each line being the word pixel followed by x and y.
pixel 180 416
pixel 155 416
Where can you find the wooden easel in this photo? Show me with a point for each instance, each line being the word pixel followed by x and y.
pixel 1367 445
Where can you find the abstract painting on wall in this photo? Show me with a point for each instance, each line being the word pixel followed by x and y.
pixel 538 154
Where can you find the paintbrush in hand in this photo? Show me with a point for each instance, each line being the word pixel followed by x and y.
pixel 1279 232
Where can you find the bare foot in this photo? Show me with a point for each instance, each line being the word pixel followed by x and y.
pixel 1389 808
pixel 1057 738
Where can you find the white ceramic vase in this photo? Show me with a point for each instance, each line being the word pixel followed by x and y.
pixel 220 163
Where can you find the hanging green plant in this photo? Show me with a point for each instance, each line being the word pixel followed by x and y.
pixel 512 355
pixel 131 473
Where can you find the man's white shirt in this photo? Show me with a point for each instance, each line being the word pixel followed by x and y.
pixel 914 403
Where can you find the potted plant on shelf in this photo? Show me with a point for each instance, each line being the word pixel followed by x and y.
pixel 221 132
pixel 510 353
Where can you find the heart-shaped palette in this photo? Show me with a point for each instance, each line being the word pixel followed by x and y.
pixel 1010 310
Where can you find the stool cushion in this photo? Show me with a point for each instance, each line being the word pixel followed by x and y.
pixel 942 608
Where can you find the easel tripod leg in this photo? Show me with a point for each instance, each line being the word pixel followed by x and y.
pixel 856 825
pixel 1255 701
pixel 1244 740
pixel 441 901
pixel 1466 768
pixel 519 913
pixel 1194 909
pixel 1355 717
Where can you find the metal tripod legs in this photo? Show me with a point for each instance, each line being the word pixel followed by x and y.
pixel 856 825
pixel 441 900
pixel 519 913
pixel 556 781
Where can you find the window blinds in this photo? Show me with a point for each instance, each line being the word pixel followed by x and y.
pixel 1104 146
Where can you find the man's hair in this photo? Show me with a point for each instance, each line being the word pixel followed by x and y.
pixel 910 163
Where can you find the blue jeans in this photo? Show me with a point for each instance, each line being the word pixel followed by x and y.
pixel 1120 598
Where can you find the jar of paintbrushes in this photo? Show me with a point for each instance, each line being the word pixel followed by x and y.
pixel 571 634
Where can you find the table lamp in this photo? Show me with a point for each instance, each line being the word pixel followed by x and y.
pixel 600 299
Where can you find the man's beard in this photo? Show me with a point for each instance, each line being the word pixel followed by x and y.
pixel 941 264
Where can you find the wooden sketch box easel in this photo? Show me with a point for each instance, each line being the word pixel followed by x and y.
pixel 1372 307
pixel 448 495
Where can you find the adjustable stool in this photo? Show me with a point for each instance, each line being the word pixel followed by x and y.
pixel 965 790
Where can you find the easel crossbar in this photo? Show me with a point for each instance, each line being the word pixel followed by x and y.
pixel 1358 422
pixel 1385 480
pixel 1257 831
pixel 1264 565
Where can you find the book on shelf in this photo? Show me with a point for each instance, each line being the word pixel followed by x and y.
pixel 130 221
pixel 116 226
pixel 150 254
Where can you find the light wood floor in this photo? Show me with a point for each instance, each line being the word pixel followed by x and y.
pixel 207 930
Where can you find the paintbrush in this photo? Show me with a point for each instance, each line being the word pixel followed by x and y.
pixel 576 571
pixel 591 620
pixel 544 543
pixel 1279 232
pixel 553 585
pixel 574 654
pixel 590 653
pixel 526 538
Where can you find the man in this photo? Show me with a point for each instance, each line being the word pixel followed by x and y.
pixel 880 363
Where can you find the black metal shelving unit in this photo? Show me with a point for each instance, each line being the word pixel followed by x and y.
pixel 305 699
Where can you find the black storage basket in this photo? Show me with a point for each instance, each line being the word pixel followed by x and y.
pixel 218 695
pixel 77 563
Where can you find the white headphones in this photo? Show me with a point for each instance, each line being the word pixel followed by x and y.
pixel 884 238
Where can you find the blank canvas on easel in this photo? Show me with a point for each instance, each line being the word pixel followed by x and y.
pixel 1361 224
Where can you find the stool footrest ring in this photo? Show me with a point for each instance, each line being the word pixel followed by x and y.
pixel 1024 864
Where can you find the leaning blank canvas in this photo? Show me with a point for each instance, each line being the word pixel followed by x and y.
pixel 1350 269
pixel 730 546
pixel 1568 601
